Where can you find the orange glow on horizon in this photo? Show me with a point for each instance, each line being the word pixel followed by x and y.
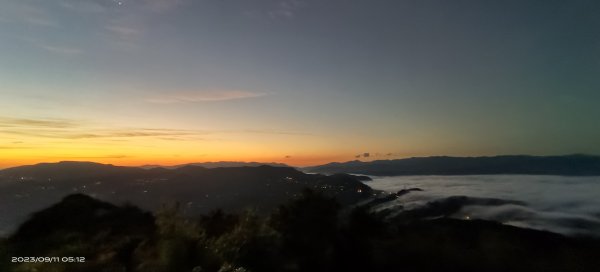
pixel 300 161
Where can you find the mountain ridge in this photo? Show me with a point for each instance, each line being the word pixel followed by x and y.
pixel 201 189
pixel 567 165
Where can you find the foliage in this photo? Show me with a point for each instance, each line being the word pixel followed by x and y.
pixel 4 255
pixel 310 233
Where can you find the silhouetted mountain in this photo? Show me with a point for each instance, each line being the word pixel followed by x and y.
pixel 218 164
pixel 569 165
pixel 28 188
pixel 65 170
pixel 84 219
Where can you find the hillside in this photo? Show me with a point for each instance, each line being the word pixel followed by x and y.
pixel 28 188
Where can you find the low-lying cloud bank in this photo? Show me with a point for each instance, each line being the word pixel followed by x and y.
pixel 567 205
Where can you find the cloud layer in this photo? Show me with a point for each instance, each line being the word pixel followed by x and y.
pixel 566 205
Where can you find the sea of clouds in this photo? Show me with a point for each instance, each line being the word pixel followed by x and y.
pixel 568 205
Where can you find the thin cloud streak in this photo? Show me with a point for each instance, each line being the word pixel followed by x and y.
pixel 26 13
pixel 100 134
pixel 208 96
pixel 72 130
pixel 123 31
pixel 62 50
pixel 277 132
pixel 286 9
pixel 118 156
pixel 84 6
pixel 161 5
pixel 37 123
pixel 14 147
pixel 76 129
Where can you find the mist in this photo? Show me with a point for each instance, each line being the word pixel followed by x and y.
pixel 567 205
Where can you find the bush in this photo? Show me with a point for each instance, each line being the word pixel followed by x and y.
pixel 5 256
pixel 308 227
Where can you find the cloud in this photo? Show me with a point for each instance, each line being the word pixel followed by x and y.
pixel 130 133
pixel 123 35
pixel 37 123
pixel 363 155
pixel 562 204
pixel 19 11
pixel 89 6
pixel 123 31
pixel 63 129
pixel 62 50
pixel 270 131
pixel 75 130
pixel 286 9
pixel 91 133
pixel 56 49
pixel 203 96
pixel 98 6
pixel 117 156
pixel 5 147
pixel 161 5
pixel 40 21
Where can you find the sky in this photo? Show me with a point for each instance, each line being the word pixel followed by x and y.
pixel 301 82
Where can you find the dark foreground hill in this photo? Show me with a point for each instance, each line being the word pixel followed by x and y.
pixel 29 188
pixel 310 233
pixel 571 165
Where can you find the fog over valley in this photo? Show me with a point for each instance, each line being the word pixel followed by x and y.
pixel 568 205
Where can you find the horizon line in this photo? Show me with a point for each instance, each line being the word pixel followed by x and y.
pixel 156 165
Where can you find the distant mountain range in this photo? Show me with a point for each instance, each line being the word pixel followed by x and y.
pixel 25 189
pixel 568 165
pixel 217 164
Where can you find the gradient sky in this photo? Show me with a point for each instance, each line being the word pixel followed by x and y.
pixel 296 81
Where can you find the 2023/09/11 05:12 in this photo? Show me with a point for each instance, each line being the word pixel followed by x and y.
pixel 48 259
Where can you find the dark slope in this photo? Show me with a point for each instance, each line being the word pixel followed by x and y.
pixel 82 218
pixel 99 234
pixel 571 165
